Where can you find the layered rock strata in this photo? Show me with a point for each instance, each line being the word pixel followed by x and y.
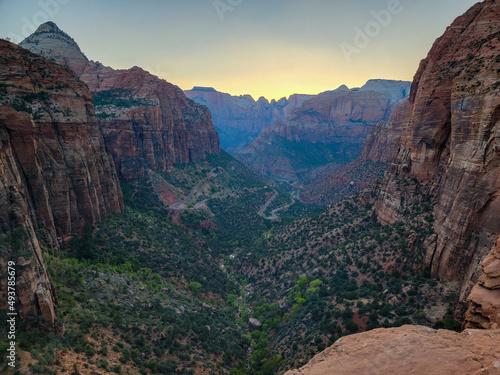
pixel 56 175
pixel 334 123
pixel 484 300
pixel 450 146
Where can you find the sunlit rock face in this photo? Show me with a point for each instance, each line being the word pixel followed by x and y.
pixel 409 350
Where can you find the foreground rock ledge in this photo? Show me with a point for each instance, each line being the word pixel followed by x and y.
pixel 409 350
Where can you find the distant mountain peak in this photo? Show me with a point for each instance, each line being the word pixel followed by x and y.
pixel 53 43
pixel 343 88
pixel 48 26
pixel 391 88
pixel 203 89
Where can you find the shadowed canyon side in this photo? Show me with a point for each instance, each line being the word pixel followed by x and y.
pixel 377 152
pixel 240 119
pixel 450 146
pixel 328 128
pixel 146 121
pixel 56 173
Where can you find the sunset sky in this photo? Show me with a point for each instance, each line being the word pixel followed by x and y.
pixel 270 48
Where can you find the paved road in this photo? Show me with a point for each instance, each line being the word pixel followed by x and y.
pixel 273 212
pixel 284 207
pixel 177 206
pixel 266 205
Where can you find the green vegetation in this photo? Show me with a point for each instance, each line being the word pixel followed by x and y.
pixel 120 98
pixel 302 157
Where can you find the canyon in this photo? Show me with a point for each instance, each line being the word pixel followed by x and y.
pixel 116 198
pixel 448 150
pixel 377 153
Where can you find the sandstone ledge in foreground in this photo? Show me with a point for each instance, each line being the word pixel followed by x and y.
pixel 409 350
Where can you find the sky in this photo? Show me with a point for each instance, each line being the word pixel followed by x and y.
pixel 270 48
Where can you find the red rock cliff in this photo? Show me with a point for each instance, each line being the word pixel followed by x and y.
pixel 450 144
pixel 55 172
pixel 146 121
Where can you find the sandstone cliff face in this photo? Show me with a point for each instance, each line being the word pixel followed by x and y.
pixel 382 139
pixel 55 172
pixel 240 119
pixel 146 121
pixel 364 107
pixel 409 350
pixel 377 152
pixel 334 123
pixel 450 145
pixel 484 308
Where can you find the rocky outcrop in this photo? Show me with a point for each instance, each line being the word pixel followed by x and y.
pixel 146 121
pixel 409 350
pixel 240 119
pixel 484 300
pixel 331 127
pixel 56 175
pixel 450 146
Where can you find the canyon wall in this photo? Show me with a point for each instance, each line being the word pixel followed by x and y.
pixel 450 146
pixel 484 300
pixel 56 175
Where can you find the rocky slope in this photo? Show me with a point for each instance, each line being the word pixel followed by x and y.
pixel 146 121
pixel 377 152
pixel 240 119
pixel 484 307
pixel 450 146
pixel 56 175
pixel 409 350
pixel 337 122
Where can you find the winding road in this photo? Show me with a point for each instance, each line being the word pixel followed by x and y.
pixel 281 208
pixel 177 206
